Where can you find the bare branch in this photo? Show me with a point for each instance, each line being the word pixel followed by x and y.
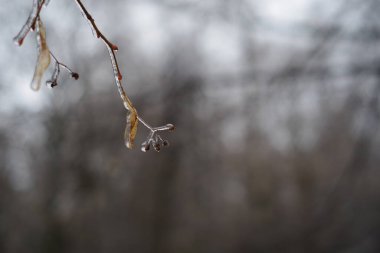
pixel 44 59
pixel 153 138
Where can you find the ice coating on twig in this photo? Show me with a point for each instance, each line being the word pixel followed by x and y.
pixel 115 67
pixel 54 78
pixel 30 22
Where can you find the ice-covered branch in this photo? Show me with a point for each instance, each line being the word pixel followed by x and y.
pixel 30 22
pixel 43 62
pixel 132 117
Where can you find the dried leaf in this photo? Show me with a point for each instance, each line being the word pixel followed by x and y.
pixel 131 128
pixel 43 60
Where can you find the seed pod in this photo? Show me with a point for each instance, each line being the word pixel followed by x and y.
pixel 157 146
pixel 165 143
pixel 145 146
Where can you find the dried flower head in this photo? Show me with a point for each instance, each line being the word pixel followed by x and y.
pixel 154 139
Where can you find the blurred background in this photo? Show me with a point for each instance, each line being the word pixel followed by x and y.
pixel 276 149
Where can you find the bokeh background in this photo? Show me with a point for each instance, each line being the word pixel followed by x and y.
pixel 277 110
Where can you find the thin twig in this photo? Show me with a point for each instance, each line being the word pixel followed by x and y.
pixel 42 2
pixel 72 73
pixel 112 48
pixel 30 23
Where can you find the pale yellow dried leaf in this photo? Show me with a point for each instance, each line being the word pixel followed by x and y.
pixel 131 128
pixel 43 60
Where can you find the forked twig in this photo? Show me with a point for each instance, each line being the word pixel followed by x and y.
pixel 54 78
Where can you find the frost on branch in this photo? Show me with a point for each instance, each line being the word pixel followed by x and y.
pixel 44 54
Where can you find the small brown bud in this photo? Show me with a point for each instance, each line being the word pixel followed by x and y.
pixel 165 143
pixel 157 147
pixel 145 146
pixel 75 75
pixel 114 47
pixel 52 83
